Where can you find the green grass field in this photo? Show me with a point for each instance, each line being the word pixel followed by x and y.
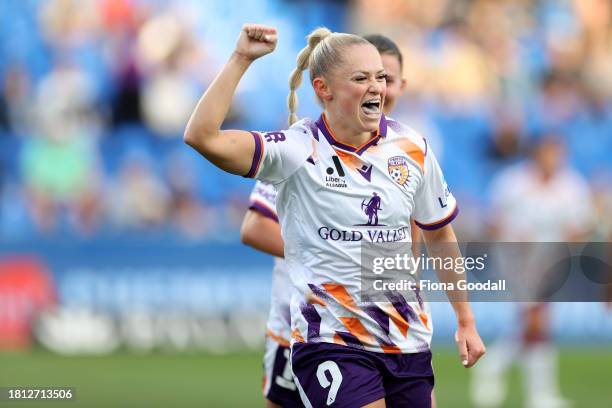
pixel 203 380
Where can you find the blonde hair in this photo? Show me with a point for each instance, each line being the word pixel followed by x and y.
pixel 319 56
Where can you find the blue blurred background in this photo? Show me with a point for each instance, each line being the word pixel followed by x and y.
pixel 95 96
pixel 114 234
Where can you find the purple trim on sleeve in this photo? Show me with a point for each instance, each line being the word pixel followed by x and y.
pixel 441 223
pixel 263 210
pixel 257 156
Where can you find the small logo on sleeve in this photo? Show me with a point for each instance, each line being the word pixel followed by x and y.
pixel 275 137
pixel 443 200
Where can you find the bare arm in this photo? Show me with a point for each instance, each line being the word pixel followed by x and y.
pixel 443 243
pixel 417 241
pixel 262 233
pixel 230 150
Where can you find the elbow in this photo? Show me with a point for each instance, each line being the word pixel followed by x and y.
pixel 246 236
pixel 246 230
pixel 189 137
pixel 198 140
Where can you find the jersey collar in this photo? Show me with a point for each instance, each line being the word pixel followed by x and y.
pixel 324 128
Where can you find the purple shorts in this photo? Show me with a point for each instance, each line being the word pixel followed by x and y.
pixel 278 379
pixel 340 376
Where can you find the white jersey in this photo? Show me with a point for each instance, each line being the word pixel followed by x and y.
pixel 263 200
pixel 323 186
pixel 527 209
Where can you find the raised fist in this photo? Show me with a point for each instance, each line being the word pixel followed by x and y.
pixel 255 41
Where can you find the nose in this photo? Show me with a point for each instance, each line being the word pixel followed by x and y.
pixel 377 87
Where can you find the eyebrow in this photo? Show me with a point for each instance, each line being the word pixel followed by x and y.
pixel 367 72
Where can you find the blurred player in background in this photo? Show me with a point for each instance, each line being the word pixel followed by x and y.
pixel 540 200
pixel 343 352
pixel 260 230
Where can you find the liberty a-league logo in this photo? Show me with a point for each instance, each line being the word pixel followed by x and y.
pixel 398 170
pixel 335 175
pixel 371 209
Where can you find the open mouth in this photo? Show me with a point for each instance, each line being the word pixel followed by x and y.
pixel 371 106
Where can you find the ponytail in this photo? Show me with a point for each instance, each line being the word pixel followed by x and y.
pixel 303 58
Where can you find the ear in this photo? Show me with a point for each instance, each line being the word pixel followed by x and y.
pixel 404 84
pixel 322 89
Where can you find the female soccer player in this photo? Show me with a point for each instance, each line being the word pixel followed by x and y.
pixel 345 353
pixel 260 230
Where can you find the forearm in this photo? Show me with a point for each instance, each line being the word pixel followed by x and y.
pixel 262 233
pixel 442 244
pixel 212 108
pixel 267 244
pixel 230 150
pixel 415 233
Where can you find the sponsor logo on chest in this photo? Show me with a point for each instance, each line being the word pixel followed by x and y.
pixel 374 231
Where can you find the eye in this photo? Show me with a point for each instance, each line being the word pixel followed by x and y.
pixel 360 78
pixel 383 77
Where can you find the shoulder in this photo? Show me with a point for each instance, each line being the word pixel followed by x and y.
pixel 572 180
pixel 300 132
pixel 408 140
pixel 569 174
pixel 397 131
pixel 512 181
pixel 514 172
pixel 306 128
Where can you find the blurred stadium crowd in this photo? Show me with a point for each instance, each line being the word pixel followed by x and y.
pixel 95 94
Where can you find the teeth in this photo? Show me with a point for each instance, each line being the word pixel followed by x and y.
pixel 371 107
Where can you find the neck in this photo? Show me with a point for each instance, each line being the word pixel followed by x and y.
pixel 344 132
pixel 546 176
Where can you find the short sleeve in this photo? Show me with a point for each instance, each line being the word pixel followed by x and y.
pixel 434 205
pixel 279 154
pixel 263 200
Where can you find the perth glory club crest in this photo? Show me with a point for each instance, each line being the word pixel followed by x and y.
pixel 398 169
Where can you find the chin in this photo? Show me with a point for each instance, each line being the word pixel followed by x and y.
pixel 371 123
